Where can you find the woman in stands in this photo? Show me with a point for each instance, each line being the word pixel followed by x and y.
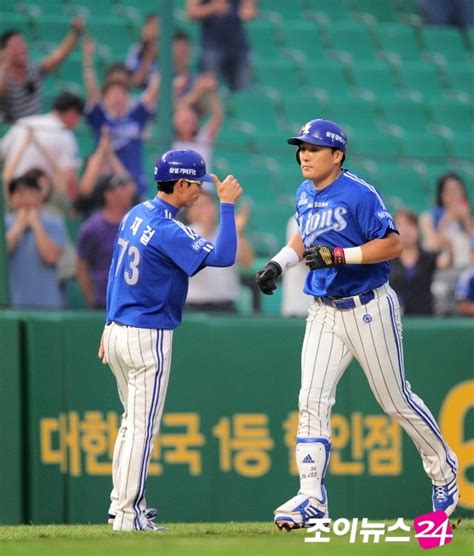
pixel 448 227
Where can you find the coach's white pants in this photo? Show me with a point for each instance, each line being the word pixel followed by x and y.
pixel 372 334
pixel 140 359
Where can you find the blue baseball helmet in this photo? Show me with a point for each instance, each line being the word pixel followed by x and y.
pixel 181 164
pixel 321 132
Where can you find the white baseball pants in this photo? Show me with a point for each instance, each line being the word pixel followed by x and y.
pixel 371 333
pixel 140 359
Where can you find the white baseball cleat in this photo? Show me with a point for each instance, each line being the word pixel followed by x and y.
pixel 144 524
pixel 153 528
pixel 299 510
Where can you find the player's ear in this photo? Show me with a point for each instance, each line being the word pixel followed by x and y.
pixel 298 160
pixel 338 156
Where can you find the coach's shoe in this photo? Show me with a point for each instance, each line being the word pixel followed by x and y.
pixel 151 527
pixel 299 510
pixel 446 497
pixel 150 514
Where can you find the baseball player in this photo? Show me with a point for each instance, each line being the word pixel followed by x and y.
pixel 154 256
pixel 346 236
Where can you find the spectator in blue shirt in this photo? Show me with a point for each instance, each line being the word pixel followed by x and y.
pixel 224 45
pixel 458 13
pixel 125 119
pixel 35 242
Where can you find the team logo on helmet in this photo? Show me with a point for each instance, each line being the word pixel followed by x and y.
pixel 306 129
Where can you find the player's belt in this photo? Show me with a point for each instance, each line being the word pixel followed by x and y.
pixel 345 303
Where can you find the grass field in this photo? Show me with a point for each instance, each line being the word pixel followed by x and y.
pixel 204 539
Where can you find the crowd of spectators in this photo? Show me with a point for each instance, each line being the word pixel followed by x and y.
pixel 47 185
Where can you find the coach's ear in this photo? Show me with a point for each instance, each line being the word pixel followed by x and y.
pixel 181 185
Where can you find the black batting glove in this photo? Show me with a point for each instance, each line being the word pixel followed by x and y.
pixel 319 256
pixel 266 277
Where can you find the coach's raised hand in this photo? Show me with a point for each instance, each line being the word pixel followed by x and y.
pixel 228 190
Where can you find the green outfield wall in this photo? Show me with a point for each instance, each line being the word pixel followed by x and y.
pixel 11 423
pixel 225 451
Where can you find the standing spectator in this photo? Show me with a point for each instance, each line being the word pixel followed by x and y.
pixel 189 134
pixel 34 243
pixel 217 289
pixel 449 223
pixel 141 57
pixel 95 243
pixel 184 78
pixel 46 142
pixel 458 13
pixel 224 45
pixel 126 120
pixel 448 227
pixel 118 72
pixel 21 81
pixel 412 273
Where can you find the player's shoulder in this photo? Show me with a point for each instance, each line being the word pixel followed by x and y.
pixel 160 215
pixel 355 180
pixel 174 226
pixel 359 186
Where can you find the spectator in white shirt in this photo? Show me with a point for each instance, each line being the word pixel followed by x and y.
pixel 46 142
pixel 189 134
pixel 217 290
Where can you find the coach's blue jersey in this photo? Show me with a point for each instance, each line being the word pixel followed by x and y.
pixel 346 213
pixel 154 255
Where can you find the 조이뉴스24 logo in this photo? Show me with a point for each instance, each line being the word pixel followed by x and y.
pixel 432 530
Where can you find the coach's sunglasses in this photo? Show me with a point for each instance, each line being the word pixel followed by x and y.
pixel 198 183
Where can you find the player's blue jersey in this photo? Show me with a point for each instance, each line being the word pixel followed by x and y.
pixel 346 213
pixel 154 255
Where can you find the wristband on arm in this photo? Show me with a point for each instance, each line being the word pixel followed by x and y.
pixel 286 258
pixel 353 255
pixel 320 256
